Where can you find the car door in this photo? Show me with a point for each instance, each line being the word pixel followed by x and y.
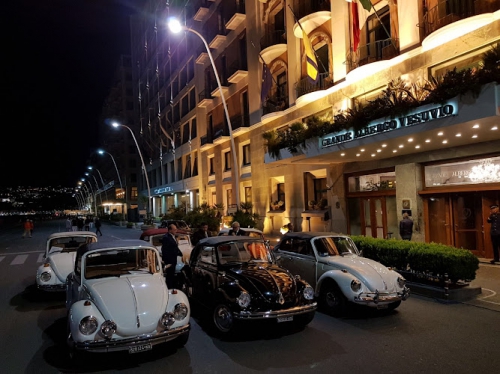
pixel 297 255
pixel 203 274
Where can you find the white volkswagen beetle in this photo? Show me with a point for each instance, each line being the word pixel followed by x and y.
pixel 332 264
pixel 59 258
pixel 117 299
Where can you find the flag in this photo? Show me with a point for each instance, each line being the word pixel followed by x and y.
pixel 359 16
pixel 267 82
pixel 311 63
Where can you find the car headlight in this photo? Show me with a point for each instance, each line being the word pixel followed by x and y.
pixel 244 299
pixel 401 282
pixel 88 325
pixel 180 311
pixel 108 328
pixel 355 285
pixel 167 319
pixel 308 293
pixel 45 276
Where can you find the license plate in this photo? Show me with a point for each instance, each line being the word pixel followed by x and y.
pixel 383 306
pixel 140 348
pixel 285 319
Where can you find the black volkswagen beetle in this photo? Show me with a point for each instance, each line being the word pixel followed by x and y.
pixel 238 279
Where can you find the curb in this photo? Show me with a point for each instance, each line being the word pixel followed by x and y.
pixel 459 294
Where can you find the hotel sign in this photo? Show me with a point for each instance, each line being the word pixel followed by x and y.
pixel 412 119
pixel 162 190
pixel 467 172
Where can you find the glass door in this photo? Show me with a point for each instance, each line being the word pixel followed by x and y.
pixel 439 222
pixel 374 222
pixel 467 222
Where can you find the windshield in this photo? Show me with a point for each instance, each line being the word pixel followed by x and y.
pixel 243 252
pixel 69 244
pixel 117 262
pixel 335 246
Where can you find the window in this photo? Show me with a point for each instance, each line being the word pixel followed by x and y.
pixel 320 189
pixel 281 193
pixel 372 182
pixel 246 154
pixel 193 128
pixel 227 161
pixel 185 105
pixel 172 172
pixel 229 197
pixel 248 195
pixel 185 133
pixel 187 170
pixel 195 165
pixel 211 163
pixel 179 169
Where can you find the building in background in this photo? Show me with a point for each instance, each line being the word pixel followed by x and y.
pixel 326 60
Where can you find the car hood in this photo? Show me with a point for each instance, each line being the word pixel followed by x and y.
pixel 268 281
pixel 371 273
pixel 62 264
pixel 135 303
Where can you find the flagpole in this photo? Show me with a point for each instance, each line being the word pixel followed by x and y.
pixel 262 59
pixel 298 22
pixel 383 26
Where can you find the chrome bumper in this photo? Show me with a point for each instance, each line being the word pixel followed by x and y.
pixel 378 297
pixel 52 287
pixel 272 314
pixel 113 345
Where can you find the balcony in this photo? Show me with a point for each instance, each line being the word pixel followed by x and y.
pixel 304 86
pixel 202 55
pixel 237 71
pixel 220 134
pixel 205 143
pixel 449 11
pixel 201 14
pixel 240 123
pixel 236 11
pixel 205 99
pixel 276 101
pixel 311 15
pixel 377 51
pixel 273 45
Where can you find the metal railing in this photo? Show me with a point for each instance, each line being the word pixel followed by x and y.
pixel 304 86
pixel 276 101
pixel 371 52
pixel 273 38
pixel 240 121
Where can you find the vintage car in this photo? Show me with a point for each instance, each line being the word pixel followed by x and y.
pixel 332 264
pixel 253 233
pixel 59 258
pixel 154 236
pixel 117 299
pixel 181 225
pixel 236 278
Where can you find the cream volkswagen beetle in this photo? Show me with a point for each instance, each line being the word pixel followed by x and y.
pixel 332 264
pixel 117 299
pixel 59 258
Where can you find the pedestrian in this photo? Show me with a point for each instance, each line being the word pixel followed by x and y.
pixel 80 223
pixel 27 229
pixel 69 224
pixel 236 231
pixel 87 223
pixel 74 224
pixel 289 227
pixel 169 252
pixel 202 233
pixel 494 220
pixel 405 227
pixel 32 226
pixel 97 224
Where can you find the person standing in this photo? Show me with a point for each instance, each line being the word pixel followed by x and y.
pixel 69 225
pixel 494 220
pixel 27 229
pixel 236 231
pixel 97 224
pixel 202 233
pixel 169 252
pixel 74 224
pixel 406 227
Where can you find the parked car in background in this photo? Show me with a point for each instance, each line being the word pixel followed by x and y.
pixel 251 232
pixel 332 264
pixel 236 278
pixel 154 236
pixel 117 299
pixel 59 258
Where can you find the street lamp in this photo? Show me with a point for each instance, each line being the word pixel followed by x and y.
pixel 93 195
pixel 175 27
pixel 102 181
pixel 101 152
pixel 85 193
pixel 116 125
pixel 97 187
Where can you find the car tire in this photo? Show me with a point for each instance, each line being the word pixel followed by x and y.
pixel 223 319
pixel 394 305
pixel 332 299
pixel 303 320
pixel 181 340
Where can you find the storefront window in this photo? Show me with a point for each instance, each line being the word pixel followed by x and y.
pixel 372 182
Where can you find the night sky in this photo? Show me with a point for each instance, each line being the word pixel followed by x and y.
pixel 58 59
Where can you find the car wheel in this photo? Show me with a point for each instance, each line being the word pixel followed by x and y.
pixel 304 319
pixel 223 318
pixel 181 340
pixel 394 305
pixel 333 300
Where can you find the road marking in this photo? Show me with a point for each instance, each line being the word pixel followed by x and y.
pixel 40 257
pixel 18 260
pixel 1 258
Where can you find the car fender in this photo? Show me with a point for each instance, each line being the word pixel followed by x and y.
pixel 46 269
pixel 78 311
pixel 228 291
pixel 343 280
pixel 177 297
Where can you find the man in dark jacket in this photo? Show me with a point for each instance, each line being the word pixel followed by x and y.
pixel 236 231
pixel 405 227
pixel 202 233
pixel 169 252
pixel 494 220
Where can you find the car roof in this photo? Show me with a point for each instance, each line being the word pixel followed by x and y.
pixel 67 234
pixel 150 232
pixel 245 229
pixel 128 243
pixel 311 234
pixel 215 240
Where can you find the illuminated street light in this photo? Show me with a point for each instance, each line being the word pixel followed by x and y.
pixel 116 125
pixel 102 180
pixel 101 152
pixel 175 27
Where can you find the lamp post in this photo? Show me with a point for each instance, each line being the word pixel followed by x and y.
pixel 93 195
pixel 175 26
pixel 102 180
pixel 101 152
pixel 97 188
pixel 116 125
pixel 86 192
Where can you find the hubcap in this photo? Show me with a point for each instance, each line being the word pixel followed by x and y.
pixel 223 318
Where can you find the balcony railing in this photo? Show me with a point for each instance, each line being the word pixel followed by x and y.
pixel 220 131
pixel 449 11
pixel 312 6
pixel 375 51
pixel 305 86
pixel 273 38
pixel 240 121
pixel 276 101
pixel 231 7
